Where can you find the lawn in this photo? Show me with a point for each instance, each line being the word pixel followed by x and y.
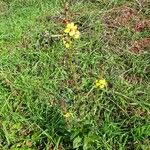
pixel 49 101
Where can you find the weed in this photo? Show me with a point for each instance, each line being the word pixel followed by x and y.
pixel 40 107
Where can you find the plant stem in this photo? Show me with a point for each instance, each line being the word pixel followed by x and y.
pixel 72 67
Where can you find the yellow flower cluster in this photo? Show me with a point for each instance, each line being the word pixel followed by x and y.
pixel 67 115
pixel 72 30
pixel 100 83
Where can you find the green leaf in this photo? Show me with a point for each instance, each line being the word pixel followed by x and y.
pixel 77 142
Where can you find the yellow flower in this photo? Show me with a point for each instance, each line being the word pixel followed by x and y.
pixel 71 29
pixel 72 26
pixel 67 115
pixel 100 83
pixel 67 30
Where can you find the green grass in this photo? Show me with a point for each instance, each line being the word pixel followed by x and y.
pixel 36 84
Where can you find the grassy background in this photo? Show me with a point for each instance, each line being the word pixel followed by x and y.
pixel 36 86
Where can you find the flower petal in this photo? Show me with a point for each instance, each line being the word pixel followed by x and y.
pixel 70 25
pixel 67 30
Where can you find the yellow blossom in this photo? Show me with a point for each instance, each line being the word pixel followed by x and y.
pixel 67 30
pixel 72 26
pixel 100 83
pixel 71 29
pixel 67 115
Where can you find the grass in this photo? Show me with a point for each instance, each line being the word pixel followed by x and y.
pixel 36 86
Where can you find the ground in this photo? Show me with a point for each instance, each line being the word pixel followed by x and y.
pixel 40 107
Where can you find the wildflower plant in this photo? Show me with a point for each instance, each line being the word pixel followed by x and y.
pixel 71 34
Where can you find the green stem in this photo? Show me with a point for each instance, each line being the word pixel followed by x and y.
pixel 72 67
